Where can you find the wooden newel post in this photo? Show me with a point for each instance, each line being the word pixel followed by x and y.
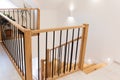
pixel 28 55
pixel 83 46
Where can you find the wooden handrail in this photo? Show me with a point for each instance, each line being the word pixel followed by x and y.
pixel 66 43
pixel 14 23
pixel 56 29
pixel 26 9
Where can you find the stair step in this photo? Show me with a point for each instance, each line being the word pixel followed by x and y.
pixel 88 65
pixel 94 67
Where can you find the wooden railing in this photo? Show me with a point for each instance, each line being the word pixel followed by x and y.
pixel 27 17
pixel 62 49
pixel 61 66
pixel 57 42
pixel 16 38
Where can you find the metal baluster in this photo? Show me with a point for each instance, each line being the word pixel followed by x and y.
pixel 46 56
pixel 24 54
pixel 59 53
pixel 71 51
pixel 68 55
pixel 77 48
pixel 65 52
pixel 30 20
pixel 53 53
pixel 21 43
pixel 18 16
pixel 33 19
pixel 22 18
pixel 18 59
pixel 38 56
pixel 26 18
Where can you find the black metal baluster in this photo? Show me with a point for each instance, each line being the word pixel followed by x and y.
pixel 59 53
pixel 55 61
pixel 38 56
pixel 61 50
pixel 13 38
pixel 23 42
pixel 53 53
pixel 13 43
pixel 77 48
pixel 16 46
pixel 26 19
pixel 68 55
pixel 51 60
pixel 18 51
pixel 13 14
pixel 9 13
pixel 46 56
pixel 22 18
pixel 22 52
pixel 30 20
pixel 65 51
pixel 18 16
pixel 33 19
pixel 71 50
pixel 58 65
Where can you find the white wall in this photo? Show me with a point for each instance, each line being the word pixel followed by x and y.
pixel 103 16
pixel 48 19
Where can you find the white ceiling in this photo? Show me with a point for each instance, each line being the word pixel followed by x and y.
pixel 50 4
pixel 18 3
pixel 44 4
pixel 57 4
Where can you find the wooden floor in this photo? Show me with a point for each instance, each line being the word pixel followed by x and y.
pixel 7 70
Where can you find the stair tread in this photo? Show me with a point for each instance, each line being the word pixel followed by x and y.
pixel 94 67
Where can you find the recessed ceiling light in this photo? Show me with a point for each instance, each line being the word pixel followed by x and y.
pixel 96 1
pixel 71 7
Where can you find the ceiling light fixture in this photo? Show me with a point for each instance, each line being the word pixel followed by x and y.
pixel 96 1
pixel 71 7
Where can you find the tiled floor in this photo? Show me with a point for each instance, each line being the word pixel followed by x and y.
pixel 7 70
pixel 110 72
